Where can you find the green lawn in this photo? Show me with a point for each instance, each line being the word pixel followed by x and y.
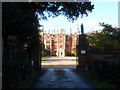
pixel 62 57
pixel 75 59
pixel 44 59
pixel 53 57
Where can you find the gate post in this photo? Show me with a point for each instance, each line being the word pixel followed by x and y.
pixel 82 50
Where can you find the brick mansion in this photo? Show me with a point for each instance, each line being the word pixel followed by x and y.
pixel 60 44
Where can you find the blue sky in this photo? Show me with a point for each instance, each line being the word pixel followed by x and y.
pixel 103 12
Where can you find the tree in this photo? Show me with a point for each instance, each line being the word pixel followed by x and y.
pixel 108 38
pixel 44 52
pixel 23 23
pixel 71 10
pixel 23 17
pixel 74 52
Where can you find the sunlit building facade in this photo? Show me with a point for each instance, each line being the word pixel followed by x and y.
pixel 60 44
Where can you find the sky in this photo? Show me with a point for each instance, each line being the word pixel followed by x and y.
pixel 104 11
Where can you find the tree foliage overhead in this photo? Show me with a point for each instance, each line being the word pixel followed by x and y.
pixel 108 38
pixel 21 18
pixel 20 13
pixel 72 10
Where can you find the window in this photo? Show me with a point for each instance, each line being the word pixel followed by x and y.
pixel 61 37
pixel 55 47
pixel 75 42
pixel 48 47
pixel 55 41
pixel 55 52
pixel 60 46
pixel 48 37
pixel 67 47
pixel 74 46
pixel 60 41
pixel 68 37
pixel 75 37
pixel 67 42
pixel 47 41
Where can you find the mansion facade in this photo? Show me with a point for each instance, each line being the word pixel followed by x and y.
pixel 59 44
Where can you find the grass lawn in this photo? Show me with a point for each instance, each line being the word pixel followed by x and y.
pixel 44 59
pixel 54 57
pixel 61 57
pixel 75 59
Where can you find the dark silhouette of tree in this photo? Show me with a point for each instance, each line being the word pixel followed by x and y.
pixel 21 18
pixel 72 10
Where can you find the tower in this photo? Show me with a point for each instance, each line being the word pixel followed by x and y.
pixel 78 31
pixel 62 31
pixel 82 29
pixel 70 31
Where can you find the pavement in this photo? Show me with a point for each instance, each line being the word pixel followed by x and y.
pixel 61 78
pixel 59 75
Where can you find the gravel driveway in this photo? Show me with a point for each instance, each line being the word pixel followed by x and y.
pixel 59 63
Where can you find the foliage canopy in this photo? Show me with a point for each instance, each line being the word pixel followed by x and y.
pixel 21 18
pixel 108 38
